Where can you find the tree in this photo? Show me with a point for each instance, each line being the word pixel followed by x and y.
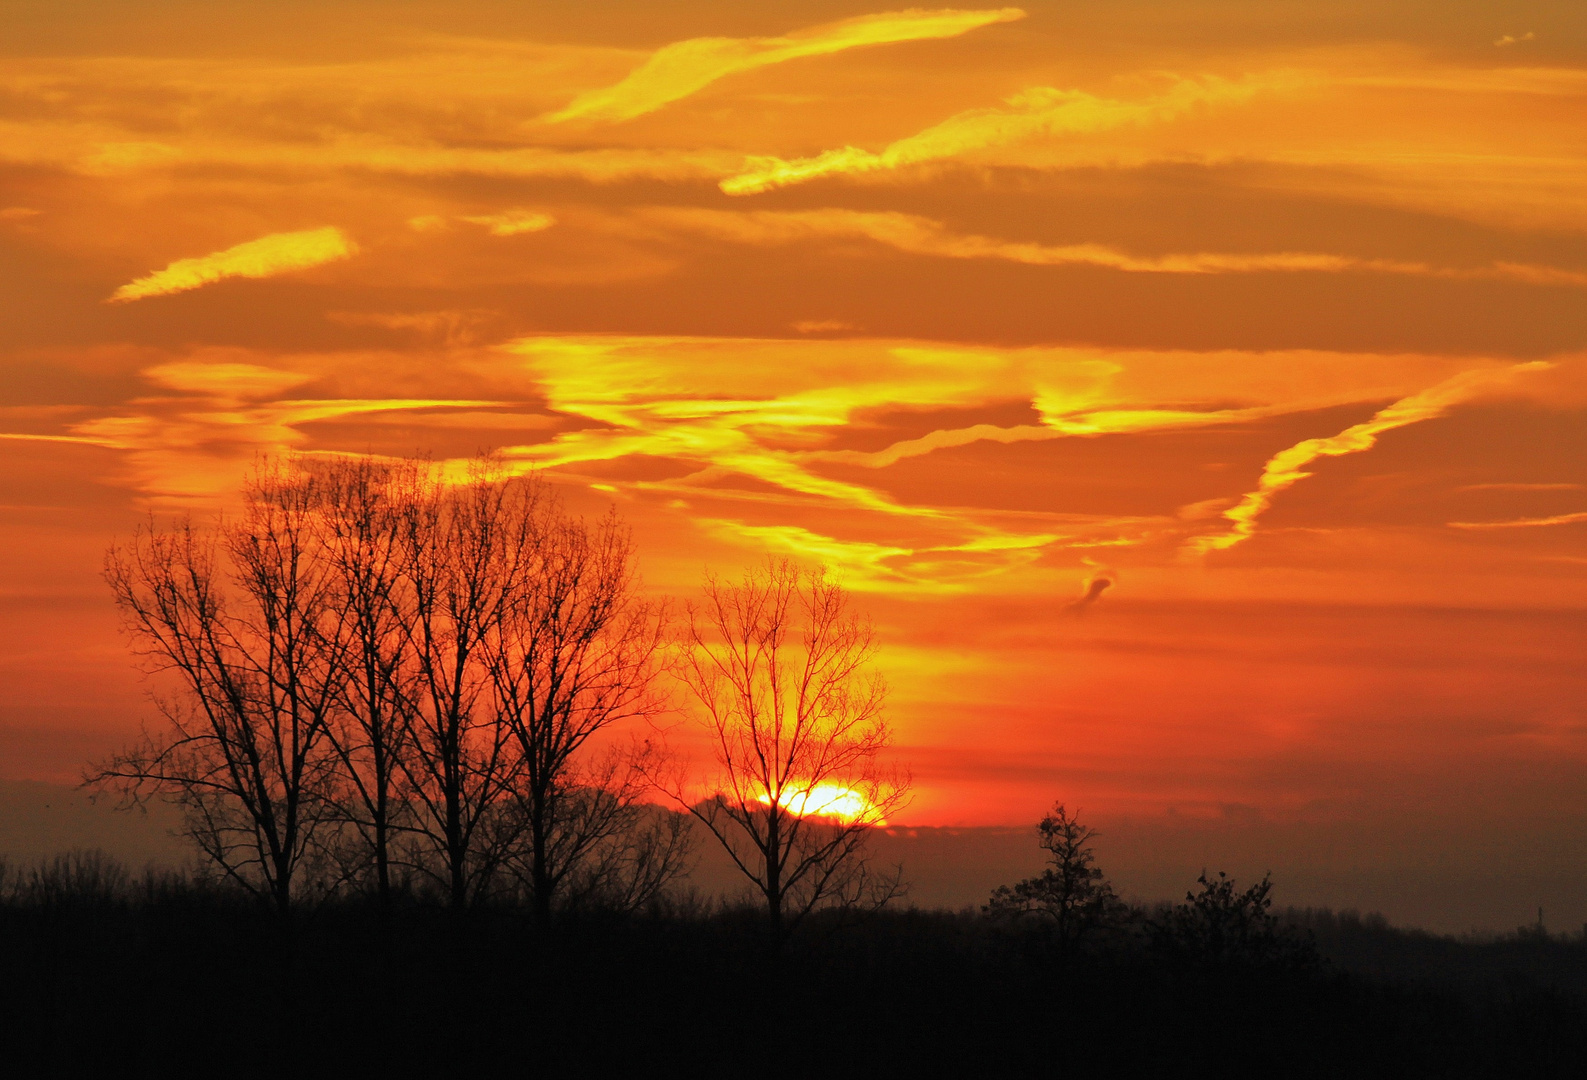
pixel 462 551
pixel 246 619
pixel 1071 895
pixel 781 669
pixel 571 652
pixel 360 517
pixel 389 670
pixel 1224 926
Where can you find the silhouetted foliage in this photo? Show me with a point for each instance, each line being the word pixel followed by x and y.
pixel 108 972
pixel 1071 897
pixel 1223 926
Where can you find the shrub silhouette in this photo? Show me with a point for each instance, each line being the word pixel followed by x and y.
pixel 1223 926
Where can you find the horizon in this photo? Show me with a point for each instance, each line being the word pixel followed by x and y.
pixel 1195 398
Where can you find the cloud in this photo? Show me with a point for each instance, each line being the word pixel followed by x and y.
pixel 268 256
pixel 1507 40
pixel 230 380
pixel 1099 581
pixel 822 326
pixel 1523 523
pixel 513 222
pixel 686 67
pixel 1038 111
pixel 923 236
pixel 19 213
pixel 1287 467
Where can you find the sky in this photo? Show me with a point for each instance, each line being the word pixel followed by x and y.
pixel 1192 393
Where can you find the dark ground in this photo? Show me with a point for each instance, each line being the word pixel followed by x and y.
pixel 128 978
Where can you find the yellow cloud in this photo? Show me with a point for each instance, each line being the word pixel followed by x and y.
pixel 513 222
pixel 278 253
pixel 1032 113
pixel 685 67
pixel 1287 467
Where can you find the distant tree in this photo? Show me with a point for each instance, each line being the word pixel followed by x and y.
pixel 1071 895
pixel 247 620
pixel 1224 926
pixel 781 669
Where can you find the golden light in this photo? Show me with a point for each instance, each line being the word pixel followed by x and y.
pixel 828 800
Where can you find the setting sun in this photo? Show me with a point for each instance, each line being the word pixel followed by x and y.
pixel 828 800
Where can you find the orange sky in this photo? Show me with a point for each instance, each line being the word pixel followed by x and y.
pixel 1272 315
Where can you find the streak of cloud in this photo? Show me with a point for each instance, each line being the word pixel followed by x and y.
pixel 1288 467
pixel 918 235
pixel 267 256
pixel 1522 523
pixel 686 67
pixel 1033 113
pixel 512 222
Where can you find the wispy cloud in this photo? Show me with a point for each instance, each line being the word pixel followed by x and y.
pixel 1288 467
pixel 924 236
pixel 512 222
pixel 686 67
pixel 265 257
pixel 1522 523
pixel 1038 111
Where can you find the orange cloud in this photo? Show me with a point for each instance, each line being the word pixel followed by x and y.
pixel 268 256
pixel 686 67
pixel 1033 113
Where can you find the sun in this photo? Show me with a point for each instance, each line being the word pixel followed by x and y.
pixel 829 800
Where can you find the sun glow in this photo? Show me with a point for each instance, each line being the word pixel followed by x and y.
pixel 828 800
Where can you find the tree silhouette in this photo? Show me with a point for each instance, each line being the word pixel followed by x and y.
pixel 1224 926
pixel 247 621
pixel 572 651
pixel 391 671
pixel 461 550
pixel 1071 895
pixel 360 518
pixel 781 669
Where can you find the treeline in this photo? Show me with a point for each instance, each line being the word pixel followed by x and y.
pixel 110 970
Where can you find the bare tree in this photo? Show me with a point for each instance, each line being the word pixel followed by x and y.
pixel 462 551
pixel 781 669
pixel 397 672
pixel 245 618
pixel 361 516
pixel 573 651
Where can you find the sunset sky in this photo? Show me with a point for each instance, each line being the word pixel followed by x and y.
pixel 1194 393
